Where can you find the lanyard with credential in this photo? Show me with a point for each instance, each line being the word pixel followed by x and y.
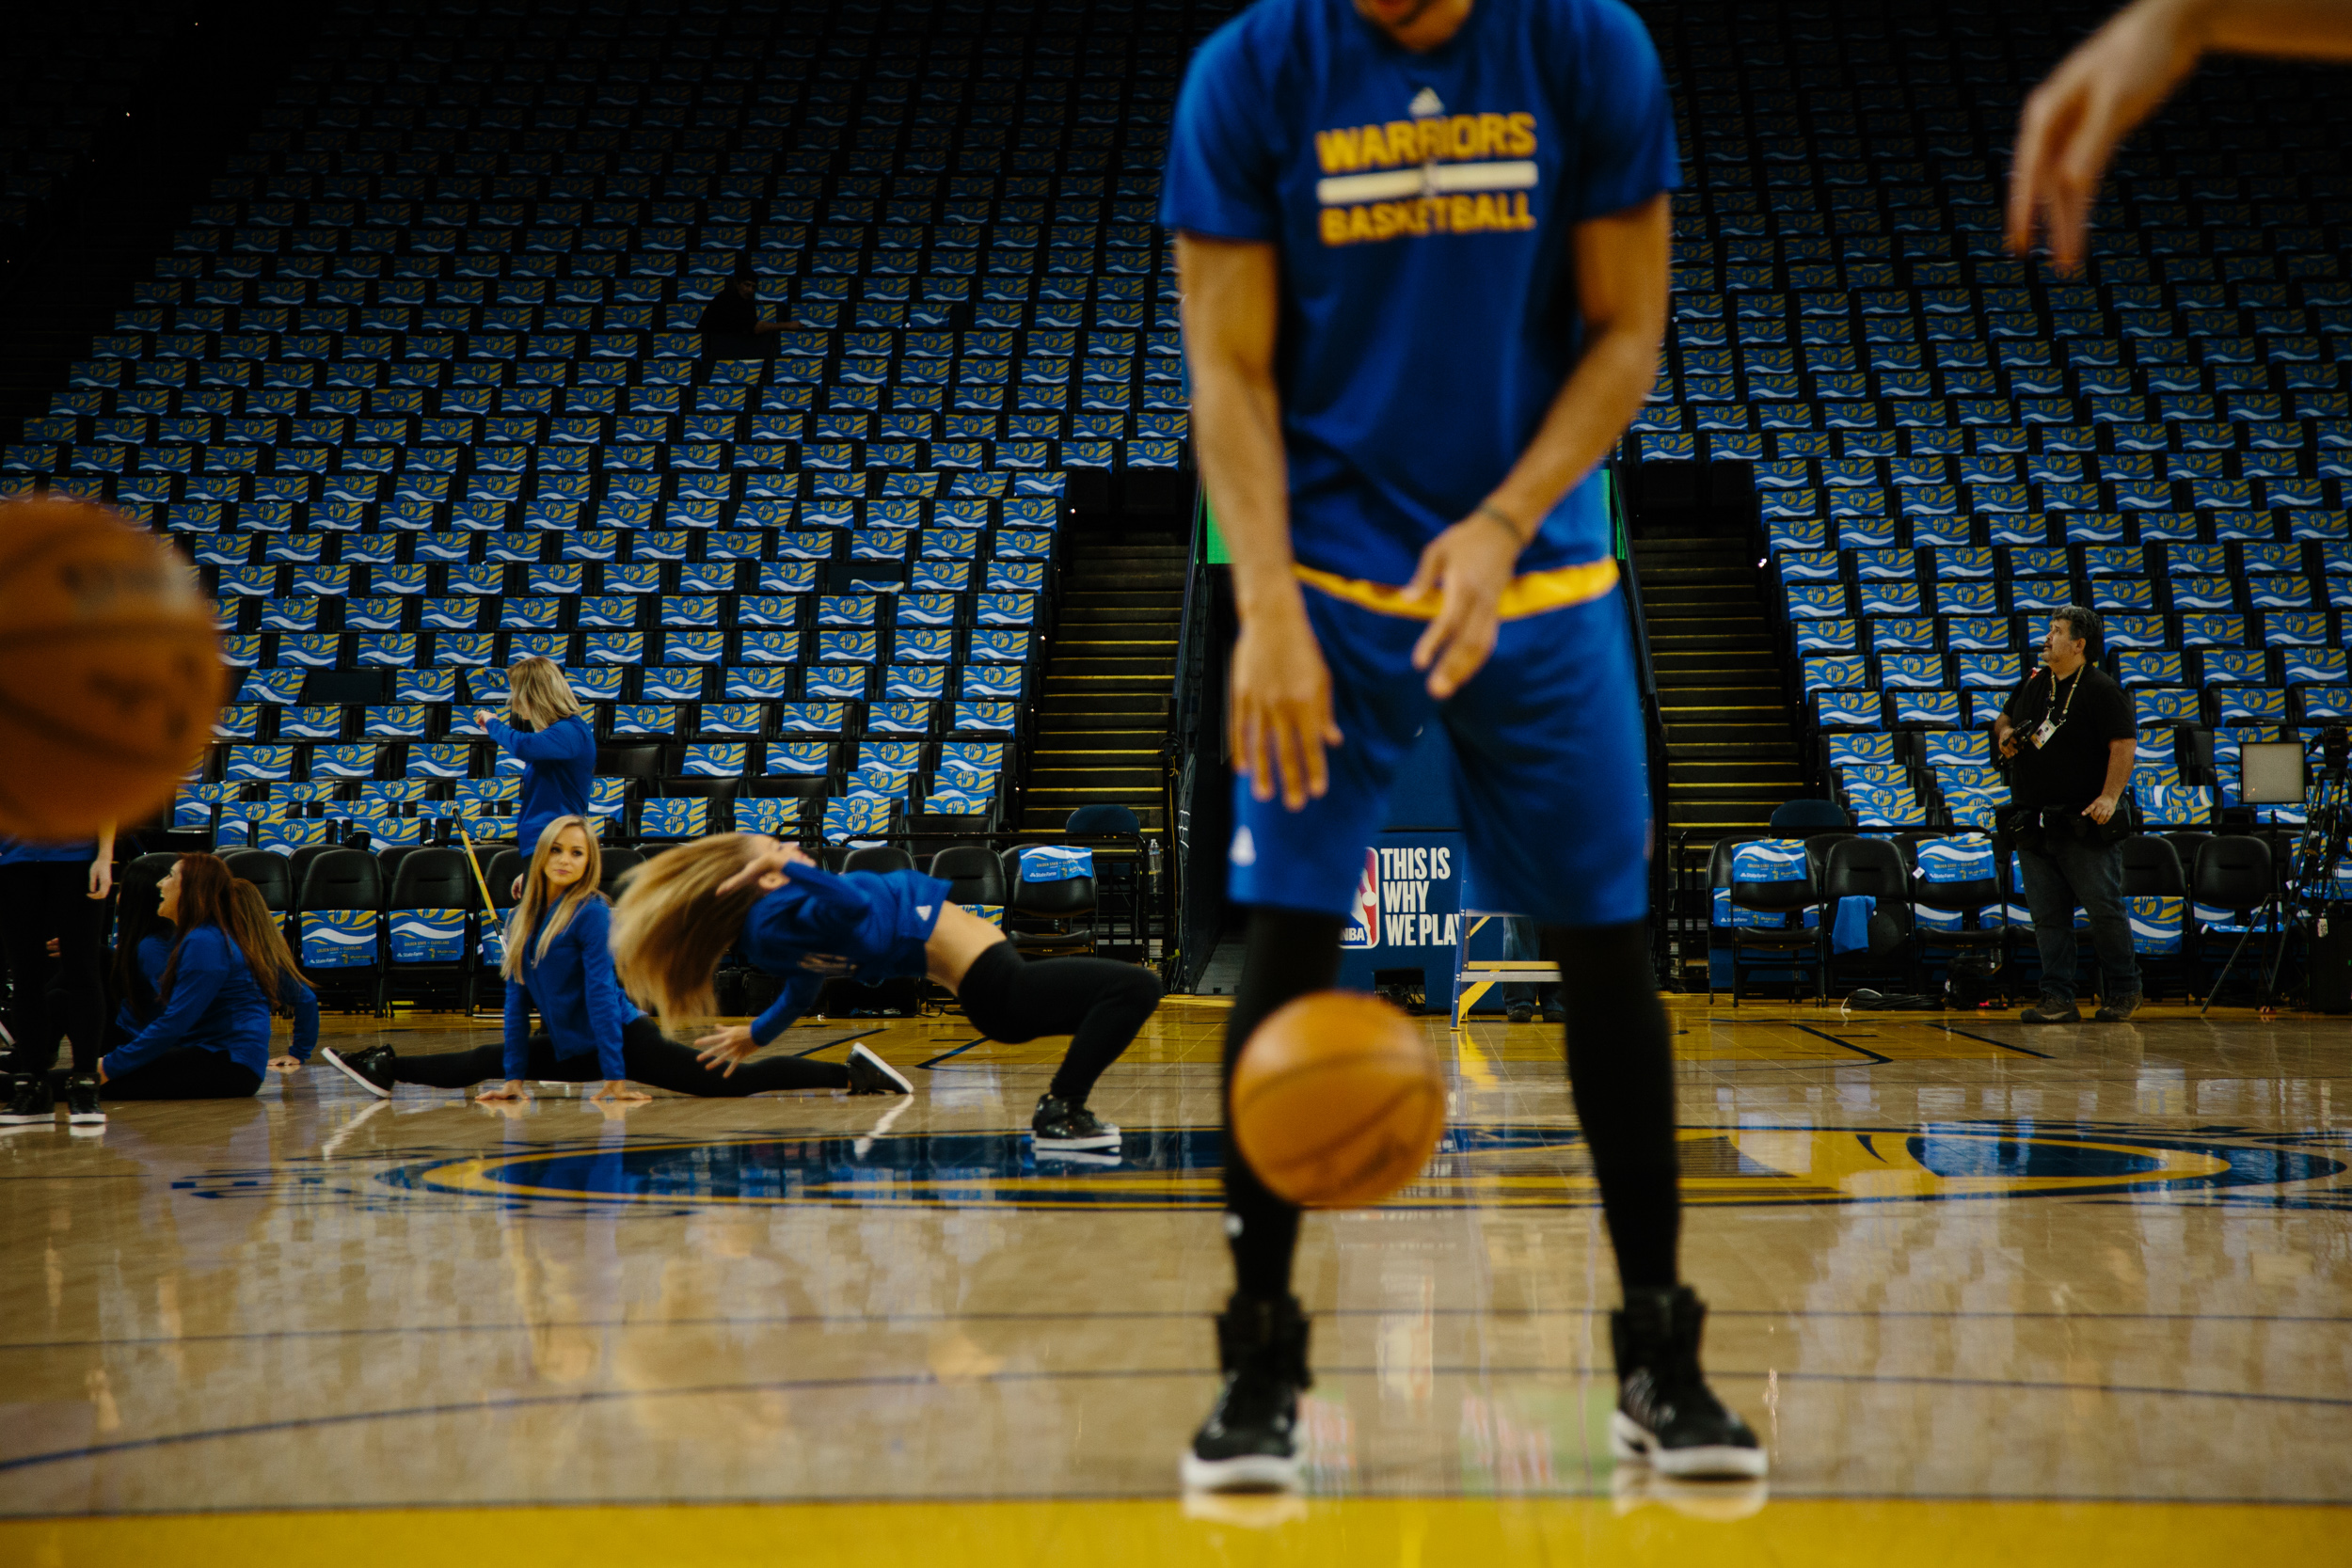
pixel 2050 726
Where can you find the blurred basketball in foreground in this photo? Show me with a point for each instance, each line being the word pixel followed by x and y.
pixel 110 671
pixel 1338 1100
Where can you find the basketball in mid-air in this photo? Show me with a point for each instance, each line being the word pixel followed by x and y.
pixel 110 668
pixel 1337 1101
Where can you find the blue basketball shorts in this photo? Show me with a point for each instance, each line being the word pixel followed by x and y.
pixel 1548 765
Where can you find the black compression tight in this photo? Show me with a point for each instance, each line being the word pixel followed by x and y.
pixel 1099 1004
pixel 650 1057
pixel 1620 1062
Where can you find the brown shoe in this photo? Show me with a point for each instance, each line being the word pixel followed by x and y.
pixel 2118 1009
pixel 2051 1010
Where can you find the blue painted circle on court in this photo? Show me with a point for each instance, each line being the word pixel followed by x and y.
pixel 1476 1167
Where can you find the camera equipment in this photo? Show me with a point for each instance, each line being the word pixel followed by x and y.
pixel 2274 773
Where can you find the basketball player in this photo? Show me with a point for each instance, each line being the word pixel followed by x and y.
pixel 680 911
pixel 1424 246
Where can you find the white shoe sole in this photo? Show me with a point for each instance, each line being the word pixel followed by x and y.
pixel 1253 1472
pixel 859 1053
pixel 42 1121
pixel 351 1073
pixel 1628 1441
pixel 87 1118
pixel 1045 1145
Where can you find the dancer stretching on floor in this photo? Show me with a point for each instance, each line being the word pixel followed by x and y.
pixel 680 911
pixel 225 969
pixel 557 961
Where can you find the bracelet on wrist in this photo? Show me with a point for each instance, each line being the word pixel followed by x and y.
pixel 1489 510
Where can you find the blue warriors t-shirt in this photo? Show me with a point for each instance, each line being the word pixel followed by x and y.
pixel 1422 204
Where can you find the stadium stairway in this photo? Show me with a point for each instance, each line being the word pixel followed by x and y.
pixel 1731 741
pixel 1102 717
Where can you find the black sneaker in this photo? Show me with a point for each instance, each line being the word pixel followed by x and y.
pixel 2117 1009
pixel 1249 1442
pixel 1666 1413
pixel 30 1104
pixel 1059 1124
pixel 2052 1009
pixel 1520 1012
pixel 870 1074
pixel 371 1070
pixel 81 1105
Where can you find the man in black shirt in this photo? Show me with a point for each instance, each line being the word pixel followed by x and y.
pixel 731 327
pixel 2071 736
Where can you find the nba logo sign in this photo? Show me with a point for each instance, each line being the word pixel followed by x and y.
pixel 1364 928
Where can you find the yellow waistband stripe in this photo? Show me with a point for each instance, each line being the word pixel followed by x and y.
pixel 1531 594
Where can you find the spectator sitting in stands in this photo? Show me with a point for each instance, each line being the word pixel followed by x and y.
pixel 731 327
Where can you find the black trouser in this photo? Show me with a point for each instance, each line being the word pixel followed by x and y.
pixel 1620 1073
pixel 191 1073
pixel 1098 1003
pixel 40 899
pixel 650 1057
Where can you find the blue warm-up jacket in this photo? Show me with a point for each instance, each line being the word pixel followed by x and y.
pixel 558 762
pixel 868 926
pixel 214 1005
pixel 579 999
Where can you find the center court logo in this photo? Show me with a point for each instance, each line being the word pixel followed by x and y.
pixel 1475 1167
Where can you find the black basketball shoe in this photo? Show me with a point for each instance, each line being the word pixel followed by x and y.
pixel 82 1110
pixel 30 1101
pixel 1666 1413
pixel 870 1074
pixel 371 1070
pixel 1250 1440
pixel 1060 1125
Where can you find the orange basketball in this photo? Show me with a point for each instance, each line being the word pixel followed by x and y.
pixel 1338 1100
pixel 110 671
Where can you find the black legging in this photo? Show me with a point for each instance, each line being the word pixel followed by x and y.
pixel 40 899
pixel 1620 1073
pixel 650 1057
pixel 1098 1003
pixel 191 1073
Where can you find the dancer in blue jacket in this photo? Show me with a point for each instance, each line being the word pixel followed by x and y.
pixel 221 980
pixel 558 961
pixel 558 751
pixel 681 910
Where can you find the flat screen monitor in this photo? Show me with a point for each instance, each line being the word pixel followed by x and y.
pixel 2270 773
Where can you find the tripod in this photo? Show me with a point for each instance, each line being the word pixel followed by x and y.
pixel 2321 850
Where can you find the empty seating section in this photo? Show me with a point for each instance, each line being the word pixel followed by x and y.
pixel 1949 443
pixel 420 390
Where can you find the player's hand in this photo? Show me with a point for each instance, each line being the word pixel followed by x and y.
pixel 285 1064
pixel 1468 567
pixel 2101 809
pixel 729 1045
pixel 2074 120
pixel 1281 719
pixel 619 1092
pixel 482 716
pixel 512 1089
pixel 102 879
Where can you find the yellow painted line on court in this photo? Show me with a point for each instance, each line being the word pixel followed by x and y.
pixel 1691 1530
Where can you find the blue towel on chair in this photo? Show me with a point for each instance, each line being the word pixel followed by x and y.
pixel 1852 934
